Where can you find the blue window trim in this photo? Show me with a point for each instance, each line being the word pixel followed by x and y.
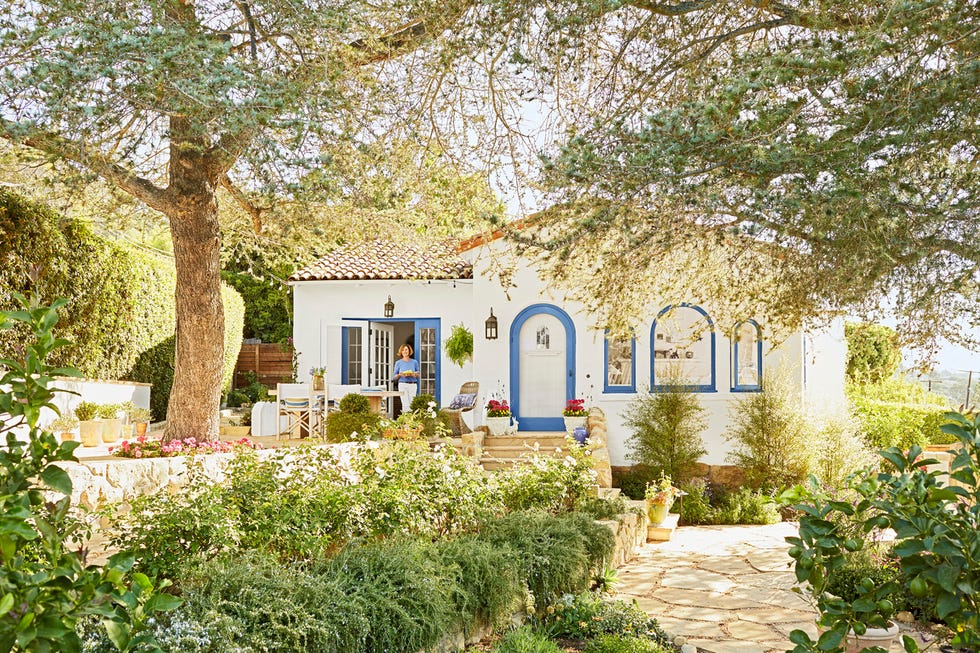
pixel 710 387
pixel 755 387
pixel 344 355
pixel 618 389
pixel 556 423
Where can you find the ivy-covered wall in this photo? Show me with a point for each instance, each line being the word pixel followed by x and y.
pixel 120 312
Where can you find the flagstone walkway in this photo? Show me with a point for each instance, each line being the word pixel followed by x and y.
pixel 727 589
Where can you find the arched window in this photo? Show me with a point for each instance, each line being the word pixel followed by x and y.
pixel 747 357
pixel 620 365
pixel 682 350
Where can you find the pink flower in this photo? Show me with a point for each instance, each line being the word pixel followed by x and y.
pixel 138 453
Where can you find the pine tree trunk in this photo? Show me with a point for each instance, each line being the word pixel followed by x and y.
pixel 195 398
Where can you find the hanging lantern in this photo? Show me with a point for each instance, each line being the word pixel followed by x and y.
pixel 491 326
pixel 389 307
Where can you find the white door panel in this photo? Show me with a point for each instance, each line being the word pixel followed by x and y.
pixel 542 366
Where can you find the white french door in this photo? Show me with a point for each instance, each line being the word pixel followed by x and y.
pixel 380 358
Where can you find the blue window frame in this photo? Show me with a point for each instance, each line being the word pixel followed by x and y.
pixel 682 342
pixel 620 368
pixel 747 357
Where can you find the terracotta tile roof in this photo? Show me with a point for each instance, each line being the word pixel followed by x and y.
pixel 387 260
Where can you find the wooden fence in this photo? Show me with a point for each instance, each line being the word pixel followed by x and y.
pixel 271 363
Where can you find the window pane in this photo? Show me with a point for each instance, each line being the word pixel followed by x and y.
pixel 747 355
pixel 354 355
pixel 682 348
pixel 427 361
pixel 620 366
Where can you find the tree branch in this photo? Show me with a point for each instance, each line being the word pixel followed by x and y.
pixel 59 146
pixel 254 211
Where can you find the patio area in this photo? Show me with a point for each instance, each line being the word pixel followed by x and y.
pixel 726 589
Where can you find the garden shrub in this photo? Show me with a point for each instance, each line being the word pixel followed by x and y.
pixel 620 644
pixel 120 310
pixel 525 640
pixel 666 432
pixel 841 450
pixel 696 507
pixel 588 615
pixel 421 402
pixel 489 588
pixel 250 393
pixel 354 420
pixel 601 507
pixel 555 554
pixel 896 424
pixel 745 506
pixel 773 443
pixel 548 482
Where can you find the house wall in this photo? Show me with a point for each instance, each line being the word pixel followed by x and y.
pixel 321 306
pixel 823 366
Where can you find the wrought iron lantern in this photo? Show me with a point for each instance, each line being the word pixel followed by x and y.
pixel 491 325
pixel 389 307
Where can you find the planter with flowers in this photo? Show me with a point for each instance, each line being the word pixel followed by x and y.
pixel 575 415
pixel 660 497
pixel 140 417
pixel 498 416
pixel 317 374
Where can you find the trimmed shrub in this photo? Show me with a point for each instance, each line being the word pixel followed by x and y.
pixel 666 432
pixel 891 424
pixel 633 480
pixel 120 311
pixel 421 402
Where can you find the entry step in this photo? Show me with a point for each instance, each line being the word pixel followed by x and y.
pixel 664 531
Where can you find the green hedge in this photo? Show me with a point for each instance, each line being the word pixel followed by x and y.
pixel 895 424
pixel 120 312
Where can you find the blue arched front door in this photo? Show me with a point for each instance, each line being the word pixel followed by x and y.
pixel 542 367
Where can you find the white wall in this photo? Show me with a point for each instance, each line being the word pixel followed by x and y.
pixel 492 358
pixel 321 306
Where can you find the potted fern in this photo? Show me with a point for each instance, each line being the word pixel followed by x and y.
pixel 459 345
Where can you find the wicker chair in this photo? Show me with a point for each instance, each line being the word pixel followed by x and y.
pixel 457 423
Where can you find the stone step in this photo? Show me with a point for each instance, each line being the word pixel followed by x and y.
pixel 549 438
pixel 663 532
pixel 517 451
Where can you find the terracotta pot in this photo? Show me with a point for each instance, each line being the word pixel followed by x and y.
pixel 67 436
pixel 90 432
pixel 141 428
pixel 402 433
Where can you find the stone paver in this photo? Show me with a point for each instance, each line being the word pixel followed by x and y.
pixel 727 589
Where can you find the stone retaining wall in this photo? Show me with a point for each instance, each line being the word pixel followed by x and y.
pixel 630 531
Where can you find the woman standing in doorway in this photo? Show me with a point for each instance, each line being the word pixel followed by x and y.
pixel 407 376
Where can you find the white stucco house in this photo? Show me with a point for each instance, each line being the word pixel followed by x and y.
pixel 546 350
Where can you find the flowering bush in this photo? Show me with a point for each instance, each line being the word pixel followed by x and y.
pixel 662 491
pixel 575 408
pixel 554 483
pixel 498 408
pixel 145 447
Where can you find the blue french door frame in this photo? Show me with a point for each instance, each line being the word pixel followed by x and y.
pixel 420 323
pixel 556 423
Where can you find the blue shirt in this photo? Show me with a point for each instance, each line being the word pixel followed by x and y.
pixel 410 365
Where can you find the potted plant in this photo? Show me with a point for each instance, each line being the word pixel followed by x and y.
pixel 459 345
pixel 317 374
pixel 575 414
pixel 498 416
pixel 89 428
pixel 408 426
pixel 112 424
pixel 140 417
pixel 660 495
pixel 64 425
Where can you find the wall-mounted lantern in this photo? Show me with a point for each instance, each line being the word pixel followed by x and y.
pixel 389 307
pixel 491 326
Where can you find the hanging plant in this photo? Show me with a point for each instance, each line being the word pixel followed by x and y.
pixel 459 345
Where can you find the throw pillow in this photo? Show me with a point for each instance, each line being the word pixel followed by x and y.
pixel 461 401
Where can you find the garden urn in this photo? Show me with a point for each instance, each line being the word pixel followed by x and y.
pixel 572 423
pixel 657 511
pixel 90 432
pixel 498 425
